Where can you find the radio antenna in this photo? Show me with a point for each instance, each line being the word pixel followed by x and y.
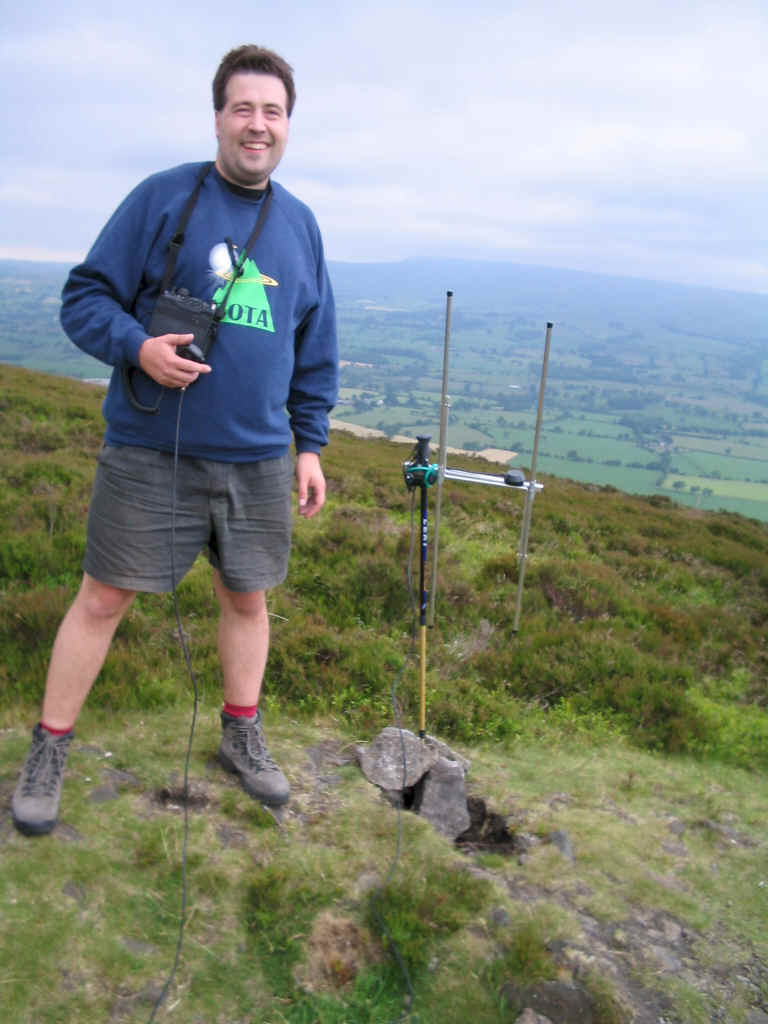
pixel 528 510
pixel 419 472
pixel 444 405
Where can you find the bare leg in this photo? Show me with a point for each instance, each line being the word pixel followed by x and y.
pixel 80 648
pixel 243 642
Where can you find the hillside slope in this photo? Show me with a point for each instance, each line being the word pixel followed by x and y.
pixel 627 714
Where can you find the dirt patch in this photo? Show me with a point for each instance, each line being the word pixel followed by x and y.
pixel 337 949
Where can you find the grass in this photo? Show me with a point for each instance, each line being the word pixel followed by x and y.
pixel 280 926
pixel 629 710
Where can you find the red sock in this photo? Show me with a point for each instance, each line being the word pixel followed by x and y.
pixel 55 732
pixel 239 710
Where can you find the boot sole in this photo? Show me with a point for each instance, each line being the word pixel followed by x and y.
pixel 34 828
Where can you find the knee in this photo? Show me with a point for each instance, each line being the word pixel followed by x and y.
pixel 249 605
pixel 101 602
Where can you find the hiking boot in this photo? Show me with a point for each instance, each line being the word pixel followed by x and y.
pixel 35 804
pixel 243 750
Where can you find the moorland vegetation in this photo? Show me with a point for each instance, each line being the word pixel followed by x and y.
pixel 641 649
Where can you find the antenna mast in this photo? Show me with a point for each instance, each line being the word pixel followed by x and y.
pixel 444 406
pixel 418 472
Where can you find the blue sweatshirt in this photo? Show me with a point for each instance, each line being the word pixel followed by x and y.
pixel 274 364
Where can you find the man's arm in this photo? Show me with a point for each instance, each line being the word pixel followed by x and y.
pixel 315 380
pixel 99 301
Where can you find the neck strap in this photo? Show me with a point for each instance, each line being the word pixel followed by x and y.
pixel 175 243
pixel 237 268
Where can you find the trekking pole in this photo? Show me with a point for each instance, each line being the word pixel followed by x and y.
pixel 423 614
pixel 418 472
pixel 444 405
pixel 532 487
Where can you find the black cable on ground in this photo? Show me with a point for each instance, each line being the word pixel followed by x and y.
pixel 188 660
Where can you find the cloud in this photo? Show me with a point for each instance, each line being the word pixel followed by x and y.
pixel 596 133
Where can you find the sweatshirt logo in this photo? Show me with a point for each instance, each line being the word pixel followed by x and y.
pixel 247 303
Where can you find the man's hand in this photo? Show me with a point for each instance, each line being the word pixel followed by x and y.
pixel 158 359
pixel 311 484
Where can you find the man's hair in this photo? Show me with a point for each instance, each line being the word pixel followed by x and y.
pixel 254 59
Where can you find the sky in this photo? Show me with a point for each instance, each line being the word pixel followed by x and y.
pixel 605 135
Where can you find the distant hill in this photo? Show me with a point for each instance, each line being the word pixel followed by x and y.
pixel 652 387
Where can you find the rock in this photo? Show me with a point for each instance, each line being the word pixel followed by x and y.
pixel 499 918
pixel 666 960
pixel 757 1017
pixel 75 892
pixel 562 841
pixel 442 798
pixel 381 761
pixel 139 948
pixel 675 849
pixel 103 794
pixel 554 1001
pixel 558 1001
pixel 445 751
pixel 528 1016
pixel 67 833
pixel 672 931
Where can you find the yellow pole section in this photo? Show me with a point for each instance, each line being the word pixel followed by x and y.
pixel 423 703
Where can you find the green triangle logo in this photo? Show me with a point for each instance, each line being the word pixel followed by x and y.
pixel 247 305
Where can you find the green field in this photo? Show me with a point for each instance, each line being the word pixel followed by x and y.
pixel 651 388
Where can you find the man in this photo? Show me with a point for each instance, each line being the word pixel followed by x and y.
pixel 271 373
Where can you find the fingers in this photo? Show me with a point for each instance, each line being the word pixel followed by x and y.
pixel 159 359
pixel 311 485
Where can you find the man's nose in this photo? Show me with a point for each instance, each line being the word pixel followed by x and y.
pixel 256 122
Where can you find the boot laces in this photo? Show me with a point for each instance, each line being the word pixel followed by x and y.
pixel 249 740
pixel 45 767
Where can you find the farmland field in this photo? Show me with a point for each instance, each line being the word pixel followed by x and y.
pixel 651 388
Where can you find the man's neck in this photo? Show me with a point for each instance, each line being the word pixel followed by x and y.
pixel 254 194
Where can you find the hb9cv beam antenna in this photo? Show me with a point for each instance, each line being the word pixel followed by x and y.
pixel 418 472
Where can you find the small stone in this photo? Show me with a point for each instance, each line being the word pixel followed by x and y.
pixel 672 931
pixel 562 841
pixel 75 892
pixel 137 947
pixel 67 833
pixel 668 961
pixel 529 1016
pixel 675 849
pixel 560 1002
pixel 499 917
pixel 103 794
pixel 229 836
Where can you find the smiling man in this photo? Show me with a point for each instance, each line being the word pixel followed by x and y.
pixel 213 235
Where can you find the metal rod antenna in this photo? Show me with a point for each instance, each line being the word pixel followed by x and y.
pixel 444 405
pixel 528 510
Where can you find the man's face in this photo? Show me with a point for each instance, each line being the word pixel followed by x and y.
pixel 252 129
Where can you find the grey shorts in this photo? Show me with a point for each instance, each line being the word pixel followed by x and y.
pixel 240 512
